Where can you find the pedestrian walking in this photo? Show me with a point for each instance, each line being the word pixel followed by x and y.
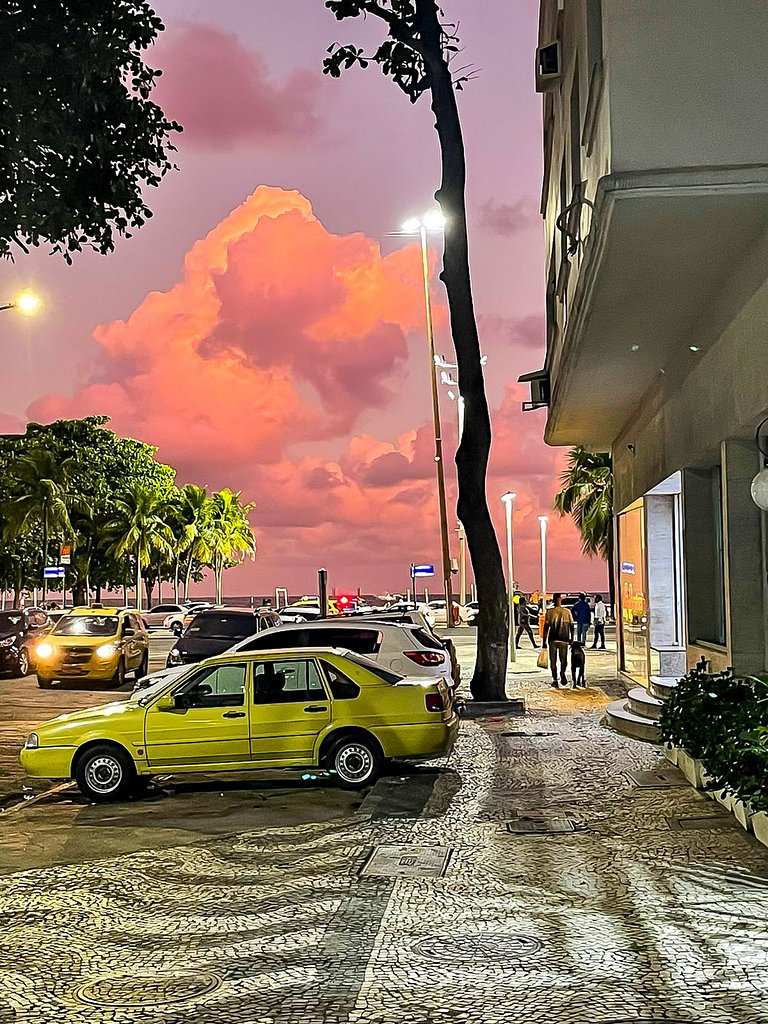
pixel 601 614
pixel 582 616
pixel 558 633
pixel 523 619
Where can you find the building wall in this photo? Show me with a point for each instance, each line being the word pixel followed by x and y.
pixel 687 85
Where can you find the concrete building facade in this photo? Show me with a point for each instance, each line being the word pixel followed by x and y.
pixel 655 204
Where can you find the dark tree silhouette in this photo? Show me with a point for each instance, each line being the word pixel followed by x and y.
pixel 79 136
pixel 419 53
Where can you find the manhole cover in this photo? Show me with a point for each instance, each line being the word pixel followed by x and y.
pixel 708 821
pixel 482 949
pixel 407 862
pixel 129 991
pixel 664 778
pixel 541 826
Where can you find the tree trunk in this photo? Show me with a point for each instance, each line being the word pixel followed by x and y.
pixel 186 579
pixel 176 579
pixel 218 573
pixel 138 581
pixel 489 678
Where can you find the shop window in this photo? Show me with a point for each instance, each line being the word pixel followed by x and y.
pixel 704 555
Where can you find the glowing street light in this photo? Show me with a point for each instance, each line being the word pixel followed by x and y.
pixel 509 501
pixel 27 303
pixel 543 527
pixel 434 220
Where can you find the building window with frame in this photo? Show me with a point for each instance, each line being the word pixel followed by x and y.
pixel 704 555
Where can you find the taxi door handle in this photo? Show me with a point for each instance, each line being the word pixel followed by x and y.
pixel 315 709
pixel 233 714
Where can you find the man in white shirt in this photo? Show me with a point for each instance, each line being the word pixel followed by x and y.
pixel 599 616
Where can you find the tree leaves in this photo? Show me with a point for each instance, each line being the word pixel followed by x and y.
pixel 586 495
pixel 79 136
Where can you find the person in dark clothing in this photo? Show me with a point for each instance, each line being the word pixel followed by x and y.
pixel 582 616
pixel 523 620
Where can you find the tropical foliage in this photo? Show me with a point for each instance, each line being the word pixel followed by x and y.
pixel 586 495
pixel 80 138
pixel 126 521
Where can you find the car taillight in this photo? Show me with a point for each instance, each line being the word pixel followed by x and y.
pixel 434 702
pixel 425 657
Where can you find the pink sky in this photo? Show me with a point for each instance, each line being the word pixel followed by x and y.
pixel 265 328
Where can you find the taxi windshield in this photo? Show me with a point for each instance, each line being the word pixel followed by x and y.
pixel 87 625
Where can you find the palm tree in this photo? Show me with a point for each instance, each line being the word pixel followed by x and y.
pixel 45 499
pixel 139 530
pixel 586 495
pixel 228 534
pixel 195 506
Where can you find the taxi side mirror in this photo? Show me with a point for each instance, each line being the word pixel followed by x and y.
pixel 166 703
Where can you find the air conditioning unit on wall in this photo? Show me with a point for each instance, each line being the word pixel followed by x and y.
pixel 549 67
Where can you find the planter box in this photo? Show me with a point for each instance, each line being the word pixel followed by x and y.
pixel 691 768
pixel 671 753
pixel 743 814
pixel 760 827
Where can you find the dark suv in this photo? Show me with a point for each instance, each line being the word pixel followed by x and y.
pixel 215 630
pixel 19 629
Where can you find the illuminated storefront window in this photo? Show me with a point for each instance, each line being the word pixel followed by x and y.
pixel 633 593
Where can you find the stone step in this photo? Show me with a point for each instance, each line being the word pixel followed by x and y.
pixel 620 718
pixel 643 704
pixel 662 686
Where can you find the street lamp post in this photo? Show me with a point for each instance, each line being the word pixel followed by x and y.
pixel 543 527
pixel 509 501
pixel 434 221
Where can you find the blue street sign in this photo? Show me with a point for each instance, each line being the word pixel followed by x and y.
pixel 422 570
pixel 54 572
pixel 628 568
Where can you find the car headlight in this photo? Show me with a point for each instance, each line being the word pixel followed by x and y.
pixel 106 651
pixel 7 641
pixel 33 741
pixel 44 650
pixel 174 657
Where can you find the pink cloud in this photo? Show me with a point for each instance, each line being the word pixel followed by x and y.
pixel 517 331
pixel 507 218
pixel 223 94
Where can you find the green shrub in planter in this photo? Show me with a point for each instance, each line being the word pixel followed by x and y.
pixel 722 719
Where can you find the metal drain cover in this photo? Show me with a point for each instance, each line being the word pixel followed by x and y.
pixel 136 992
pixel 540 826
pixel 407 862
pixel 479 950
pixel 664 778
pixel 707 821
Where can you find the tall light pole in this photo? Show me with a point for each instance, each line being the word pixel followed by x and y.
pixel 543 526
pixel 509 502
pixel 434 221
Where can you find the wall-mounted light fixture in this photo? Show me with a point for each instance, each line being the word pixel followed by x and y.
pixel 759 487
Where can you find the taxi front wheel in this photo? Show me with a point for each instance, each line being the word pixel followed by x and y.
pixel 357 761
pixel 105 773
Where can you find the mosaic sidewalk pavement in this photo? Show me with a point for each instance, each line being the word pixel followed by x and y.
pixel 624 919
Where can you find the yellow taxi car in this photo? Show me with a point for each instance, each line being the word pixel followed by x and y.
pixel 238 712
pixel 98 644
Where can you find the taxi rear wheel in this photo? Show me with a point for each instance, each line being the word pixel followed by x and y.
pixel 105 773
pixel 357 761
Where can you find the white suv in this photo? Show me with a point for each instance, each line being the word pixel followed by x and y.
pixel 403 648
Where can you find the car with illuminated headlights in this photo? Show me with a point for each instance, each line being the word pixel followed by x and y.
pixel 398 647
pixel 20 628
pixel 308 708
pixel 93 644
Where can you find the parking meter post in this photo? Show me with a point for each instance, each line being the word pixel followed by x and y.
pixel 322 590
